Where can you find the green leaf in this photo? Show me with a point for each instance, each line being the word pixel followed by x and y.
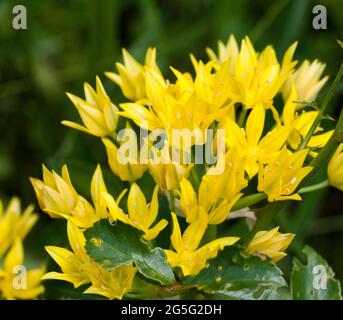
pixel 121 244
pixel 235 274
pixel 315 280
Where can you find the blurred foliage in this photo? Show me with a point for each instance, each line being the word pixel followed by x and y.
pixel 69 42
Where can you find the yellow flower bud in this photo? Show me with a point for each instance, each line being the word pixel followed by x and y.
pixel 307 81
pixel 131 75
pixel 55 194
pixel 98 113
pixel 271 243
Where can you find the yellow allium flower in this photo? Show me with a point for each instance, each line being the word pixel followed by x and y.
pixel 335 169
pixel 307 81
pixel 98 113
pixel 187 256
pixel 256 77
pixel 57 197
pixel 271 243
pixel 132 77
pixel 74 264
pixel 211 88
pixel 15 281
pixel 217 193
pixel 14 224
pixel 228 51
pixel 228 184
pixel 281 177
pixel 141 215
pixel 186 105
pixel 166 172
pixel 132 170
pixel 189 115
pixel 79 269
pixel 55 194
pixel 249 144
pixel 111 284
pixel 191 205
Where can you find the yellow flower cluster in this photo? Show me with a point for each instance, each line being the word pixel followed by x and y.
pixel 16 282
pixel 234 91
pixel 57 197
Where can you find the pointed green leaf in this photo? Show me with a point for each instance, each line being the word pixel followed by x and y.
pixel 119 244
pixel 235 274
pixel 315 280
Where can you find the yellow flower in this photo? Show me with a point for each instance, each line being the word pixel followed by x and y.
pixel 249 144
pixel 300 124
pixel 216 210
pixel 98 187
pixel 98 113
pixel 132 78
pixel 217 193
pixel 74 264
pixel 16 282
pixel 256 77
pixel 79 269
pixel 55 194
pixel 189 106
pixel 13 224
pixel 111 284
pixel 211 88
pixel 335 169
pixel 226 51
pixel 141 215
pixel 57 197
pixel 229 183
pixel 129 170
pixel 271 243
pixel 280 178
pixel 307 81
pixel 186 255
pixel 166 172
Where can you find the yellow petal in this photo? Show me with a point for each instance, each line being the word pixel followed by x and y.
pixel 14 257
pixel 176 238
pixel 153 208
pixel 97 188
pixel 154 231
pixel 137 206
pixel 255 124
pixel 195 231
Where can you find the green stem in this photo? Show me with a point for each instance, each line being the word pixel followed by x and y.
pixel 322 109
pixel 266 21
pixel 172 201
pixel 249 200
pixel 265 218
pixel 195 178
pixel 211 234
pixel 315 187
pixel 242 116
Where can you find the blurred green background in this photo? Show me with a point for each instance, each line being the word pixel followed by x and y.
pixel 69 42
